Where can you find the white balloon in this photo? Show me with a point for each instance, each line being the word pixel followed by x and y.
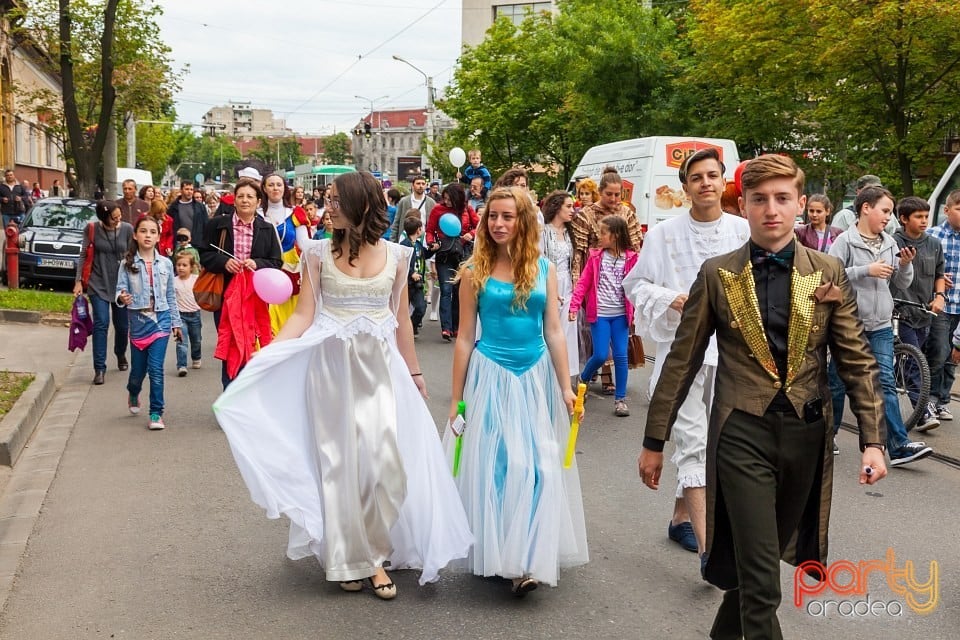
pixel 457 156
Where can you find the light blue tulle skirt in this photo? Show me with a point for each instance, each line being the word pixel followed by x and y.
pixel 524 508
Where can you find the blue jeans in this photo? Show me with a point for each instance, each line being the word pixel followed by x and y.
pixel 615 333
pixel 149 361
pixel 192 326
pixel 449 296
pixel 937 350
pixel 881 343
pixel 101 310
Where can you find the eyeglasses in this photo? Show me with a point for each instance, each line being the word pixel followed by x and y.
pixel 183 238
pixel 335 203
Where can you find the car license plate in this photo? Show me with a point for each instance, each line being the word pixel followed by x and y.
pixel 56 264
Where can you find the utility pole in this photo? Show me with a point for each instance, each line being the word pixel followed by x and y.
pixel 429 124
pixel 131 124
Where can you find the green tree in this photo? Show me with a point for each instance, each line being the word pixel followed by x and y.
pixel 336 148
pixel 278 153
pixel 111 60
pixel 864 85
pixel 207 155
pixel 547 90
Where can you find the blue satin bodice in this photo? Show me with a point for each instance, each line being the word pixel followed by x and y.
pixel 513 337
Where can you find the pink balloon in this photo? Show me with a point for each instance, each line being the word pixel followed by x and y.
pixel 272 285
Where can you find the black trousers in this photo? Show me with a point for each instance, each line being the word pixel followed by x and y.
pixel 766 469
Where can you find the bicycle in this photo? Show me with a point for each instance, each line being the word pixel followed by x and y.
pixel 911 371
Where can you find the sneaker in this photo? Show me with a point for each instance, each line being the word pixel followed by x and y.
pixel 620 409
pixel 156 422
pixel 944 414
pixel 196 364
pixel 910 452
pixel 929 420
pixel 446 335
pixel 182 372
pixel 836 447
pixel 133 404
pixel 433 316
pixel 683 535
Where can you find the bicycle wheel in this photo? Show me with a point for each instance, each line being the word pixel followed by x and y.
pixel 912 377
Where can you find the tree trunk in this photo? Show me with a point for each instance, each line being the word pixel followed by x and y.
pixel 87 152
pixel 906 174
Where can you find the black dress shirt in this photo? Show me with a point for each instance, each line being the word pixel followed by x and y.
pixel 772 280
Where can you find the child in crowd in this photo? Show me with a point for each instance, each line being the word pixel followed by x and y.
pixel 609 312
pixel 873 262
pixel 184 245
pixel 145 286
pixel 938 347
pixel 356 466
pixel 525 509
pixel 417 274
pixel 476 170
pixel 928 287
pixel 186 267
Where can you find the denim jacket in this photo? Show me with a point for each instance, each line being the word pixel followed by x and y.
pixel 138 286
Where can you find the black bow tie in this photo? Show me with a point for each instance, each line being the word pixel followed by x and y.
pixel 784 258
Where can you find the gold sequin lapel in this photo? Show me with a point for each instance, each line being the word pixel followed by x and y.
pixel 801 319
pixel 742 298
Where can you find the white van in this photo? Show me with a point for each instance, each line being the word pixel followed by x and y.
pixel 141 176
pixel 649 168
pixel 938 199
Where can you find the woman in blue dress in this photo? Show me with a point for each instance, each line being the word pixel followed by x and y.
pixel 524 508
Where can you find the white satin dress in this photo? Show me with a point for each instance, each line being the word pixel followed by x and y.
pixel 349 452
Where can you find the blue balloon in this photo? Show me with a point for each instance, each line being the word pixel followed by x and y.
pixel 450 225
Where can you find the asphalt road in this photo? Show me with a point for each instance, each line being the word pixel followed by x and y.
pixel 152 535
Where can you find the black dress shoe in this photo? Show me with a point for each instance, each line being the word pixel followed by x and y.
pixel 122 363
pixel 98 377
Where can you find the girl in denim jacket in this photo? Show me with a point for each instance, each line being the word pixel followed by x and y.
pixel 145 287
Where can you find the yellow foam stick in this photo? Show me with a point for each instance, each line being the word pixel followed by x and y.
pixel 575 426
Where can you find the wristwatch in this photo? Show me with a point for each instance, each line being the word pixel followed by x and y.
pixel 940 293
pixel 875 445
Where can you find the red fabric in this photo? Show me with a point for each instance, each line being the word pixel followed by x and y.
pixel 585 293
pixel 469 220
pixel 244 324
pixel 227 199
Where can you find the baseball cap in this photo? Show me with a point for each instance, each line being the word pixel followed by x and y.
pixel 868 180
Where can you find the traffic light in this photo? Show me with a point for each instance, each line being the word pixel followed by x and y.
pixel 366 130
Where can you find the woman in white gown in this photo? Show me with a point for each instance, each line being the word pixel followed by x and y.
pixel 328 424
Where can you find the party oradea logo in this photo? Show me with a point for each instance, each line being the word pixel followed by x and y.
pixel 865 589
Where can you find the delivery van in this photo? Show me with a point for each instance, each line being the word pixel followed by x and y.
pixel 649 168
pixel 938 199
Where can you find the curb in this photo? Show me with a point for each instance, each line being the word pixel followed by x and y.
pixel 19 315
pixel 18 425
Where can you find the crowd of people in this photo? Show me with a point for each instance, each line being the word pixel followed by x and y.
pixel 538 298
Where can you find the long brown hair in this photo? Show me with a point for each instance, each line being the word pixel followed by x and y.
pixel 132 249
pixel 524 248
pixel 363 205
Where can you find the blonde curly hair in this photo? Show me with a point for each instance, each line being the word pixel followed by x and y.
pixel 524 248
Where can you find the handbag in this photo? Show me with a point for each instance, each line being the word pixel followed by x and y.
pixel 635 355
pixel 208 289
pixel 88 257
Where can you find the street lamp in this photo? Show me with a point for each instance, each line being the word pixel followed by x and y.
pixel 424 160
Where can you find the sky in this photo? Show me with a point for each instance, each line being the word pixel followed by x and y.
pixel 308 59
